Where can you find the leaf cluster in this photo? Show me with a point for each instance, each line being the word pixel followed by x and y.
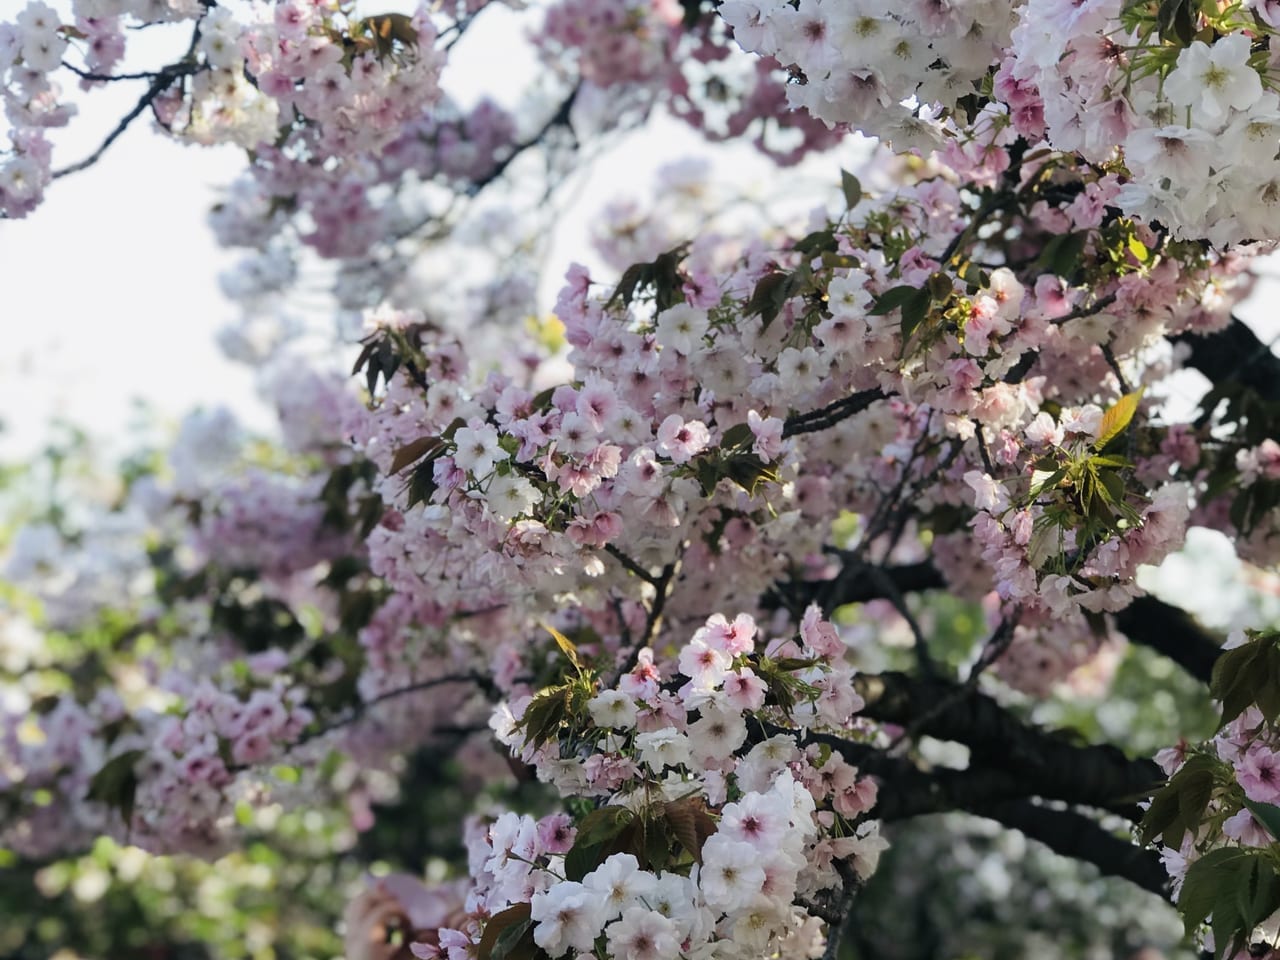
pixel 662 275
pixel 1085 489
pixel 734 460
pixel 385 350
pixel 662 836
pixel 1178 808
pixel 1249 675
pixel 1235 888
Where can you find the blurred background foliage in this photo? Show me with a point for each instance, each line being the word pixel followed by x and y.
pixel 951 886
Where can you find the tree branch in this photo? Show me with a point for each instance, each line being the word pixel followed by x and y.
pixel 483 682
pixel 161 81
pixel 1039 762
pixel 1235 354
pixel 1003 795
pixel 859 587
pixel 831 414
pixel 1079 837
pixel 1173 632
pixel 1153 623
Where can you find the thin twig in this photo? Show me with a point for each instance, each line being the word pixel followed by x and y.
pixel 160 82
pixel 107 77
pixel 653 621
pixel 1109 355
pixel 631 566
pixel 1096 307
pixel 362 708
pixel 891 592
pixel 982 449
pixel 992 650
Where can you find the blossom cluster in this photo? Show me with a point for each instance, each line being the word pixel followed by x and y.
pixel 175 777
pixel 890 73
pixel 1185 110
pixel 681 411
pixel 311 75
pixel 720 834
pixel 962 373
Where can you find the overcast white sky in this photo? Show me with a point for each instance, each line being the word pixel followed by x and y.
pixel 111 286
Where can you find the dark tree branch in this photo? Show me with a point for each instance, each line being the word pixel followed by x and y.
pixel 361 709
pixel 109 77
pixel 831 414
pixel 1075 835
pixel 1235 354
pixel 1153 623
pixel 160 82
pixel 859 587
pixel 663 585
pixel 1173 632
pixel 1039 762
pixel 1002 780
pixel 1087 311
pixel 157 87
pixel 881 579
pixel 630 565
pixel 558 119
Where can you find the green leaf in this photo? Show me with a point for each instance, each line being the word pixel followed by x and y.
pixel 1258 895
pixel 770 295
pixel 1117 417
pixel 389 28
pixel 893 299
pixel 544 714
pixel 1061 255
pixel 913 313
pixel 851 188
pixel 515 942
pixel 1138 249
pixel 748 471
pixel 1195 790
pixel 655 845
pixel 1266 814
pixel 1041 480
pixel 1175 20
pixel 1206 877
pixel 603 824
pixel 708 473
pixel 413 452
pixel 601 833
pixel 566 646
pixel 940 287
pixel 1112 485
pixel 500 923
pixel 420 485
pixel 818 242
pixel 1226 921
pixel 1266 684
pixel 1234 679
pixel 1178 807
pixel 662 274
pixel 690 824
pixel 739 435
pixel 1111 460
pixel 1270 687
pixel 1160 815
pixel 116 784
